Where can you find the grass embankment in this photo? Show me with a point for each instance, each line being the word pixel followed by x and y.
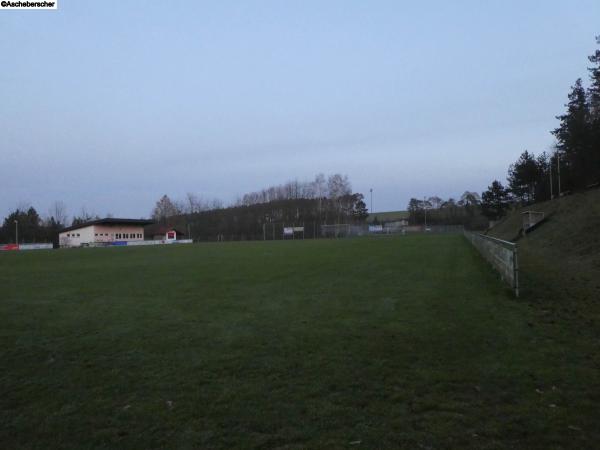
pixel 560 260
pixel 408 342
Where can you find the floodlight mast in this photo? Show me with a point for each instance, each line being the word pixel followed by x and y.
pixel 558 167
pixel 551 192
pixel 16 231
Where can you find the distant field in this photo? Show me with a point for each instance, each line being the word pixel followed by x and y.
pixel 407 342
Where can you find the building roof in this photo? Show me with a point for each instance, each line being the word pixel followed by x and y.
pixel 388 216
pixel 109 221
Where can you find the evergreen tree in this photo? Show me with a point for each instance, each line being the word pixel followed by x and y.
pixel 494 201
pixel 542 186
pixel 28 224
pixel 359 210
pixel 523 176
pixel 574 139
pixel 594 111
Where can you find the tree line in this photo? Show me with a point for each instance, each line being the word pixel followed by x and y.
pixel 255 215
pixel 574 162
pixel 465 211
pixel 33 227
pixel 263 214
pixel 572 165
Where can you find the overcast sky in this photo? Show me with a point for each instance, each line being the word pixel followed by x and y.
pixel 108 105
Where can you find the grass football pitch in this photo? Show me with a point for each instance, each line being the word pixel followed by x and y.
pixel 406 342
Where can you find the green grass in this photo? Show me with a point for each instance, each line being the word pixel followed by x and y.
pixel 408 342
pixel 560 260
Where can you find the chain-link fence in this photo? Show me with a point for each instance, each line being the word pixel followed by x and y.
pixel 348 230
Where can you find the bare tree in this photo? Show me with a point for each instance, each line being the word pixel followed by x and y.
pixel 58 210
pixel 338 186
pixel 216 204
pixel 436 202
pixel 195 203
pixel 83 217
pixel 164 209
pixel 320 185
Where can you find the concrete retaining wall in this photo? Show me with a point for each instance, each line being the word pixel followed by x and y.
pixel 502 255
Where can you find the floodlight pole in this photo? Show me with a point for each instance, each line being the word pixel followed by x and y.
pixel 425 209
pixel 371 200
pixel 551 194
pixel 16 231
pixel 558 165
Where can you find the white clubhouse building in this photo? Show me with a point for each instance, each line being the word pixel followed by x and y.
pixel 103 231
